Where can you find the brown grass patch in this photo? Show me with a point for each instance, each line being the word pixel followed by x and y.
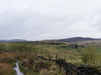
pixel 6 69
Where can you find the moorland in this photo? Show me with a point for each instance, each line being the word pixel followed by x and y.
pixel 75 56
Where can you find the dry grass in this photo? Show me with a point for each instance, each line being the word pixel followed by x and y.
pixel 6 69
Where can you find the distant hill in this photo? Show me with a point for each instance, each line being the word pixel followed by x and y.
pixel 81 40
pixel 78 39
pixel 14 40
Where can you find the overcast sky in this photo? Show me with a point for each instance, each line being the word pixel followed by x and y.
pixel 49 19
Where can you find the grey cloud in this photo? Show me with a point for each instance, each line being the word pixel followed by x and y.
pixel 49 19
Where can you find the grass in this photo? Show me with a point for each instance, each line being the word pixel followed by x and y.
pixel 27 54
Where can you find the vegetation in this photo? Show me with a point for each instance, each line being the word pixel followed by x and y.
pixel 38 58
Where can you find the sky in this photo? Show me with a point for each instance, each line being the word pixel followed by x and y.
pixel 49 19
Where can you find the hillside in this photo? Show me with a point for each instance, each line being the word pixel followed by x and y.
pixel 78 39
pixel 14 40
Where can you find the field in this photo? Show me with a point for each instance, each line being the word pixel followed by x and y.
pixel 37 58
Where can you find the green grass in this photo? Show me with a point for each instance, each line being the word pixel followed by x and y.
pixel 26 52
